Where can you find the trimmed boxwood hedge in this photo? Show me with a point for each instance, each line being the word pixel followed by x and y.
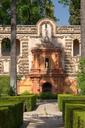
pixel 79 119
pixel 4 85
pixel 29 101
pixel 69 108
pixel 69 97
pixel 11 114
pixel 60 98
pixel 73 101
pixel 47 96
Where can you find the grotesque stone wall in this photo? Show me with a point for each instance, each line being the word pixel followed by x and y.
pixel 36 36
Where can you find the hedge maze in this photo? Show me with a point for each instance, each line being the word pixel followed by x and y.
pixel 73 109
pixel 12 107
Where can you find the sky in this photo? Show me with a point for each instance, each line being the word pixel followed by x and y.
pixel 61 12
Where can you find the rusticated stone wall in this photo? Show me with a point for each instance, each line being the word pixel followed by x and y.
pixel 31 37
pixel 63 35
pixel 24 62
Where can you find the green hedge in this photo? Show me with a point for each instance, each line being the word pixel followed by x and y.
pixel 78 119
pixel 60 99
pixel 11 114
pixel 73 101
pixel 4 85
pixel 69 108
pixel 29 101
pixel 47 95
pixel 69 97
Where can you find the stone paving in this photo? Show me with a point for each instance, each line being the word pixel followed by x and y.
pixel 46 115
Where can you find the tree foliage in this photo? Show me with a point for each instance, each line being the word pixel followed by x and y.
pixel 81 76
pixel 46 8
pixel 65 2
pixel 74 10
pixel 28 11
pixel 5 12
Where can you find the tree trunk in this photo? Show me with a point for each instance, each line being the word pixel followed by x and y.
pixel 13 63
pixel 82 28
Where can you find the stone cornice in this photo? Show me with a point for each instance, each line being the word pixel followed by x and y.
pixel 72 29
pixel 26 29
pixel 33 30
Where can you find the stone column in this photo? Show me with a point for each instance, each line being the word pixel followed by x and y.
pixel 36 61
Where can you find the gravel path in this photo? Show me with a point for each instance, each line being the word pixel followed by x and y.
pixel 46 115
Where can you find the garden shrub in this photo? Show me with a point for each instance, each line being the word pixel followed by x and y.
pixel 25 93
pixel 4 85
pixel 47 95
pixel 62 97
pixel 79 119
pixel 11 114
pixel 69 108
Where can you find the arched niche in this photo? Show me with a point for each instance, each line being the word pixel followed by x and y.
pixel 48 24
pixel 47 63
pixel 76 47
pixel 5 47
pixel 17 47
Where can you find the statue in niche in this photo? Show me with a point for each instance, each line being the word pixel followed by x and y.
pixel 47 63
pixel 46 32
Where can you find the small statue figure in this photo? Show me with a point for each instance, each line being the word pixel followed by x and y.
pixel 46 32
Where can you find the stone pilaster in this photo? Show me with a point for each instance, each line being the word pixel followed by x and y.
pixel 68 56
pixel 24 64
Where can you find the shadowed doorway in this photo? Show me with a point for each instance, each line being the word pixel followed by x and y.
pixel 47 87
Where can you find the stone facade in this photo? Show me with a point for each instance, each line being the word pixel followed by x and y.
pixel 48 54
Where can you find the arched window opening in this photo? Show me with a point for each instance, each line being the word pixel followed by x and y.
pixel 75 47
pixel 47 63
pixel 6 47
